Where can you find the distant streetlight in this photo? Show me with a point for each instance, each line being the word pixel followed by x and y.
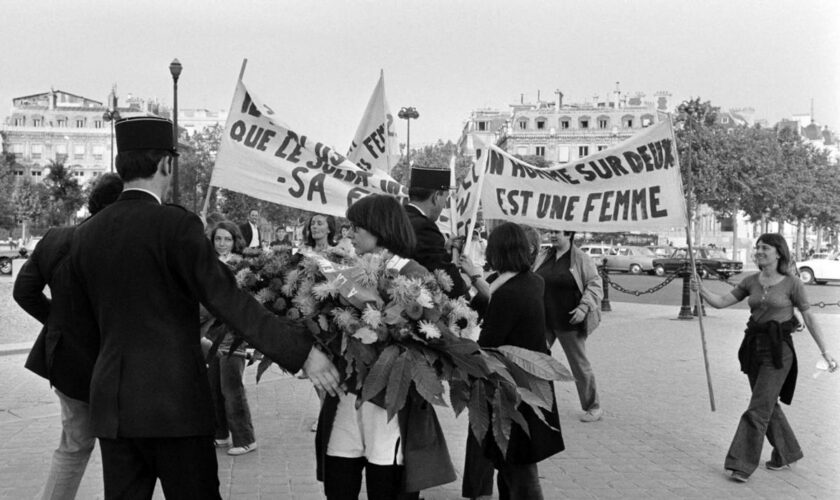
pixel 407 114
pixel 112 115
pixel 175 70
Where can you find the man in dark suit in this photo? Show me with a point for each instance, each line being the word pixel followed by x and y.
pixel 145 267
pixel 428 191
pixel 250 230
pixel 66 348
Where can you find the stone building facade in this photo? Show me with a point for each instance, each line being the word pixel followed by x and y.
pixel 66 128
pixel 562 132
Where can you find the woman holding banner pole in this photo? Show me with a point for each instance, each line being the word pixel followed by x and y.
pixel 767 356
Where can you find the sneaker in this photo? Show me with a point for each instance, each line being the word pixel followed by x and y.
pixel 739 476
pixel 771 465
pixel 241 450
pixel 593 415
pixel 222 443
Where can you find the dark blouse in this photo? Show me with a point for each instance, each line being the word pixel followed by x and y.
pixel 562 294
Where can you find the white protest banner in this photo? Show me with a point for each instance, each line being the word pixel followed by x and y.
pixel 634 185
pixel 262 158
pixel 375 145
pixel 468 198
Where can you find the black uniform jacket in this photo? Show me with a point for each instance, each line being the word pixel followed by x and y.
pixel 145 267
pixel 431 252
pixel 65 350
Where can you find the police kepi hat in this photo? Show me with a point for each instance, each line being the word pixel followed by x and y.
pixel 144 132
pixel 429 178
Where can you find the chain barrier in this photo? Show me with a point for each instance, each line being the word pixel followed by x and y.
pixel 637 293
pixel 712 275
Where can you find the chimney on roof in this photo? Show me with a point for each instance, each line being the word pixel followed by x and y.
pixel 52 98
pixel 559 99
pixel 538 96
pixel 521 98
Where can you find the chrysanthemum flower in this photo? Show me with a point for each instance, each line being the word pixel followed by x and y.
pixel 324 290
pixel 428 330
pixel 372 316
pixel 425 299
pixel 290 287
pixel 265 296
pixel 345 318
pixel 444 280
pixel 246 278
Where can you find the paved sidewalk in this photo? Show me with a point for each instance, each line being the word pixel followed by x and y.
pixel 658 438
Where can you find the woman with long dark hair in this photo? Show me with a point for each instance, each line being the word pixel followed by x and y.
pixel 767 356
pixel 319 232
pixel 230 402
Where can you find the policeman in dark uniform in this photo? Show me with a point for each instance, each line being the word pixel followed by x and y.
pixel 428 191
pixel 144 267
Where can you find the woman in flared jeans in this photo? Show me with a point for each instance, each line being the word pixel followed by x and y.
pixel 767 356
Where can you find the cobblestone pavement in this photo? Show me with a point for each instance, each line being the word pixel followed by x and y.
pixel 658 438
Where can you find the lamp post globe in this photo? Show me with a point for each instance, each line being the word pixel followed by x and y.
pixel 111 115
pixel 175 68
pixel 407 114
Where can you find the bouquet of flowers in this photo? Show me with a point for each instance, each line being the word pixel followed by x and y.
pixel 388 332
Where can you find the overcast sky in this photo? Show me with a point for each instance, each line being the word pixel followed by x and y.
pixel 316 63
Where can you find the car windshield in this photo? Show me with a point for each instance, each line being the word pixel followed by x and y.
pixel 715 253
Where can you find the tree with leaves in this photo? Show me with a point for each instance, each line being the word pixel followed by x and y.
pixel 65 195
pixel 7 189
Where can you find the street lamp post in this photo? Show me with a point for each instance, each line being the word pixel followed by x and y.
pixel 112 115
pixel 407 114
pixel 175 70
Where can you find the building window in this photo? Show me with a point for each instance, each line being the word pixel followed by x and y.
pixel 647 120
pixel 724 119
pixel 540 151
pixel 36 173
pixel 36 151
pixel 584 123
pixel 18 173
pixel 563 154
pixel 565 124
pixel 80 123
pixel 523 125
pixel 17 150
pixel 478 153
pixel 61 122
pixel 97 123
pixel 522 150
pixel 98 152
pixel 627 121
pixel 601 148
pixel 540 123
pixel 482 126
pixel 583 151
pixel 20 121
pixel 79 152
pixel 603 123
pixel 37 122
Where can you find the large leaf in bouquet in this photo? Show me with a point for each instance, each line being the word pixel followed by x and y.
pixel 536 363
pixel 464 353
pixel 377 378
pixel 425 379
pixel 399 383
pixel 479 410
pixel 459 395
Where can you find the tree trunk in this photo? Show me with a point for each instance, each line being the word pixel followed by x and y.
pixel 735 233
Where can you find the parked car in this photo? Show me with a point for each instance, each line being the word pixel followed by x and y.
pixel 819 270
pixel 708 261
pixel 632 259
pixel 597 251
pixel 661 251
